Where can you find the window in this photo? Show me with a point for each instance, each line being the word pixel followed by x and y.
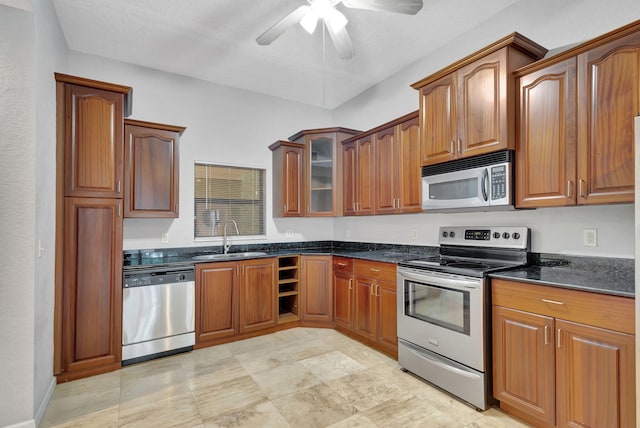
pixel 226 194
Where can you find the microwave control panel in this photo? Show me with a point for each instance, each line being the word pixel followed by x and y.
pixel 498 182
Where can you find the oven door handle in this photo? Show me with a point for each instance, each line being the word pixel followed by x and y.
pixel 443 365
pixel 451 281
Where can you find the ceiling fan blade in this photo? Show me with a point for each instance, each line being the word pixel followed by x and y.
pixel 342 42
pixel 277 29
pixel 407 7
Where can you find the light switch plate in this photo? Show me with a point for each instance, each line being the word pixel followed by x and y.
pixel 165 238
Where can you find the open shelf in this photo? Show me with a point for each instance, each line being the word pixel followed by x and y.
pixel 288 287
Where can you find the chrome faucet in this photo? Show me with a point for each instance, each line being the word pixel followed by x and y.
pixel 225 246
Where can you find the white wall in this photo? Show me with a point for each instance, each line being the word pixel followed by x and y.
pixel 224 125
pixel 17 214
pixel 552 24
pixel 51 56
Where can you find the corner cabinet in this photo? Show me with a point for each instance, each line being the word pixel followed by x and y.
pixel 322 176
pixel 288 175
pixel 152 169
pixel 465 109
pixel 563 357
pixel 88 264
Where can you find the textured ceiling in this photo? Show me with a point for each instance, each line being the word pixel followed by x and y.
pixel 214 40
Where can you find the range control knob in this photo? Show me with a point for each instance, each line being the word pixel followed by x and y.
pixel 516 235
pixel 496 235
pixel 452 234
pixel 506 235
pixel 445 234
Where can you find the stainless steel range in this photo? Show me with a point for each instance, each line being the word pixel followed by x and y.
pixel 444 309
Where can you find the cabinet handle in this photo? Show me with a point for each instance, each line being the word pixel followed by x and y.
pixel 350 283
pixel 118 186
pixel 546 334
pixel 119 209
pixel 451 148
pixel 285 207
pixel 559 330
pixel 569 189
pixel 373 289
pixel 553 302
pixel 377 290
pixel 374 270
pixel 459 146
pixel 580 188
pixel 342 264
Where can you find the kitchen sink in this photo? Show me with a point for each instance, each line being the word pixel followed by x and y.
pixel 230 256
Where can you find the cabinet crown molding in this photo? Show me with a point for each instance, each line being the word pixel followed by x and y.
pixel 127 91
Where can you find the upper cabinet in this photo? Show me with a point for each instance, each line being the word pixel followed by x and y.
pixel 575 110
pixel 90 126
pixel 322 176
pixel 151 176
pixel 467 108
pixel 288 176
pixel 381 169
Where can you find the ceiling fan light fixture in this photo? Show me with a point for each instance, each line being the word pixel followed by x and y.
pixel 336 20
pixel 309 22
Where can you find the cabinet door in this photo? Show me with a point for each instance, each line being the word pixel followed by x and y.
pixel 316 295
pixel 92 287
pixel 292 182
pixel 216 301
pixel 596 377
pixel 387 331
pixel 93 142
pixel 387 176
pixel 364 178
pixel 258 295
pixel 608 100
pixel 524 362
pixel 321 175
pixel 482 106
pixel 438 133
pixel 546 146
pixel 410 174
pixel 151 172
pixel 343 299
pixel 349 177
pixel 364 322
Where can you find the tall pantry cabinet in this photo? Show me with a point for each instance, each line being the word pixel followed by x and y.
pixel 89 211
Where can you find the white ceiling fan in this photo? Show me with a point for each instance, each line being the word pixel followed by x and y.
pixel 334 20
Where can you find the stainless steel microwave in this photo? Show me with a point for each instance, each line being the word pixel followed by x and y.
pixel 483 182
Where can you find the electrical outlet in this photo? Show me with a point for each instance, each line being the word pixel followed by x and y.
pixel 40 248
pixel 165 238
pixel 414 234
pixel 289 233
pixel 590 238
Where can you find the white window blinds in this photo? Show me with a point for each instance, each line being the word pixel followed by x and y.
pixel 225 193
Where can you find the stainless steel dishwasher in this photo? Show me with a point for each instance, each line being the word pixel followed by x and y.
pixel 158 312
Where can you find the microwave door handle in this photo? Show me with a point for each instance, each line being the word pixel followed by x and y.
pixel 484 185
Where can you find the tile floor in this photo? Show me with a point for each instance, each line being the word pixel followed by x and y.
pixel 301 377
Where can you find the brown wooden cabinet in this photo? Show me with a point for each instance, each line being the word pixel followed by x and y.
pixel 91 298
pixel 258 295
pixel 217 304
pixel 234 298
pixel 316 293
pixel 151 173
pixel 288 176
pixel 374 307
pixel 358 172
pixel 466 109
pixel 322 175
pixel 575 144
pixel 563 357
pixel 88 282
pixel 343 292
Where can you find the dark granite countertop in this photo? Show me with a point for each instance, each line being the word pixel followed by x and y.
pixel 595 274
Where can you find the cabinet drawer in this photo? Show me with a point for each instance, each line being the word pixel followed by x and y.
pixel 342 264
pixel 600 310
pixel 376 270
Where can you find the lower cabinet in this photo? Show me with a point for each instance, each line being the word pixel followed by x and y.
pixel 234 298
pixel 563 358
pixel 316 293
pixel 365 302
pixel 91 298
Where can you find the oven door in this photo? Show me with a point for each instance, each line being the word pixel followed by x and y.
pixel 443 313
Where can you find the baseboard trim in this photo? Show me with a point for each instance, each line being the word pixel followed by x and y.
pixel 45 401
pixel 26 424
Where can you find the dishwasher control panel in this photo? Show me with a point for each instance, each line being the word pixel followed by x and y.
pixel 148 277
